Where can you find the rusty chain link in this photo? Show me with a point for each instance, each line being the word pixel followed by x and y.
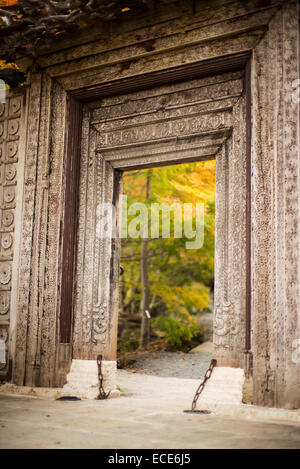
pixel 202 385
pixel 102 394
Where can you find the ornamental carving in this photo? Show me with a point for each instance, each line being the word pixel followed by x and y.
pixel 171 128
pixel 10 119
pixel 3 334
pixel 5 273
pixel 99 323
pixel 224 324
pixel 10 172
pixel 173 120
pixel 13 126
pixel 15 105
pixel 7 218
pixel 12 148
pixel 4 303
pixel 9 194
pixel 6 240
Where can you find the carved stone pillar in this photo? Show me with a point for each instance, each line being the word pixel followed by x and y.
pixel 276 202
pixel 11 142
pixel 95 313
pixel 230 246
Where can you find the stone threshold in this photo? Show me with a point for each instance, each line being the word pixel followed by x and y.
pixel 39 392
pixel 255 413
pixel 13 389
pixel 240 411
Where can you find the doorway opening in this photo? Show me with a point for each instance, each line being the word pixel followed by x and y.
pixel 192 121
pixel 167 270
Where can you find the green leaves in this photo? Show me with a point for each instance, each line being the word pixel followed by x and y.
pixel 180 279
pixel 177 332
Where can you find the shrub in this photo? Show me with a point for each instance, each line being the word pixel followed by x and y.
pixel 177 332
pixel 129 341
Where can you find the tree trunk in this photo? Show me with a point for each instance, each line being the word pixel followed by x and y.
pixel 145 300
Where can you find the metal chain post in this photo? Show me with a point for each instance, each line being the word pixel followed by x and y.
pixel 102 393
pixel 201 386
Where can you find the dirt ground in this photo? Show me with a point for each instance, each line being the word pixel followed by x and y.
pixel 171 364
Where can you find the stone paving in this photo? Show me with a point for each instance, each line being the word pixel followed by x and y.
pixel 149 414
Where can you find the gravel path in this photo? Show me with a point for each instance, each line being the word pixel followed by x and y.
pixel 171 364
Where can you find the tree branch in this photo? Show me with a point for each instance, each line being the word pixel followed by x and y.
pixel 27 19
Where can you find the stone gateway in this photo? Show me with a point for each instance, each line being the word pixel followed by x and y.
pixel 193 81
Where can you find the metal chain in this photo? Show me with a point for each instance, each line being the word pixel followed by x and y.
pixel 102 393
pixel 202 385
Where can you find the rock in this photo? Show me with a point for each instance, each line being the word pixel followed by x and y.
pixel 206 347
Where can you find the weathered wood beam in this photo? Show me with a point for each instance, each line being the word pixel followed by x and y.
pixel 36 22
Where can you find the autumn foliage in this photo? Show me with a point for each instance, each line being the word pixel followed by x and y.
pixel 180 280
pixel 7 3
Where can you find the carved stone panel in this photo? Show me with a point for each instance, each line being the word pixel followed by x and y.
pixel 276 203
pixel 10 126
pixel 176 123
pixel 230 245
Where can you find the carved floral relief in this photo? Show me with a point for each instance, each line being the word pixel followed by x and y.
pixel 10 115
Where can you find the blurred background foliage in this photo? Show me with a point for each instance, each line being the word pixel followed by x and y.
pixel 179 283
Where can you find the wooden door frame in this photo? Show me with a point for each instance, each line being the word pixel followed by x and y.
pixel 76 100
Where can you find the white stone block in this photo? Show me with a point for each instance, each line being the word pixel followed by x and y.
pixel 225 387
pixel 83 382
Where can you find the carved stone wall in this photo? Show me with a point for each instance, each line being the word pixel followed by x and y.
pixel 12 120
pixel 40 247
pixel 275 213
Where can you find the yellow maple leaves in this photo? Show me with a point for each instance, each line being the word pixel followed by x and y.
pixel 179 277
pixel 7 3
pixel 4 64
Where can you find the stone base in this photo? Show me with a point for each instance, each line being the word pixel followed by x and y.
pixel 83 382
pixel 205 347
pixel 225 387
pixel 248 391
pixel 45 393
